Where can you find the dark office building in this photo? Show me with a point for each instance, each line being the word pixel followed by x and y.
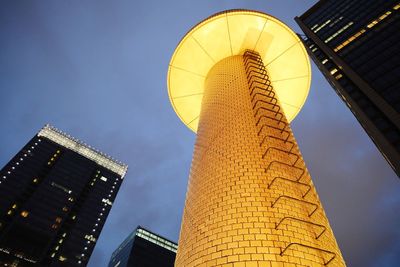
pixel 355 43
pixel 55 195
pixel 143 248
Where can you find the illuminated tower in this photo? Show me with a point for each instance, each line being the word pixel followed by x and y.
pixel 237 79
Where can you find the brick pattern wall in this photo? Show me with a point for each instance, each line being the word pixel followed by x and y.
pixel 249 202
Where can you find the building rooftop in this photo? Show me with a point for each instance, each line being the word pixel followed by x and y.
pixel 83 149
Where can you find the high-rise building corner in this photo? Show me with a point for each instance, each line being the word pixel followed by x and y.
pixel 355 44
pixel 56 193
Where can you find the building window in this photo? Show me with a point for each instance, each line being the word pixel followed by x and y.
pixel 24 214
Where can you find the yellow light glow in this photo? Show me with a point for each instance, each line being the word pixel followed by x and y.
pixel 24 214
pixel 231 33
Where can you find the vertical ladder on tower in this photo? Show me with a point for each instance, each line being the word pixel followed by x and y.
pixel 269 117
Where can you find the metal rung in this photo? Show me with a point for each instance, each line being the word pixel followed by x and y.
pixel 275 128
pixel 279 121
pixel 263 76
pixel 266 82
pixel 306 246
pixel 252 53
pixel 283 151
pixel 293 181
pixel 276 112
pixel 304 221
pixel 262 95
pixel 280 139
pixel 263 90
pixel 260 68
pixel 254 68
pixel 253 95
pixel 285 140
pixel 300 200
pixel 255 73
pixel 283 163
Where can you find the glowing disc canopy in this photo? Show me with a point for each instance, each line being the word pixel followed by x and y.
pixel 231 33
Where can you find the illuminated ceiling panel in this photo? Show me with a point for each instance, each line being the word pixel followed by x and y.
pixel 231 33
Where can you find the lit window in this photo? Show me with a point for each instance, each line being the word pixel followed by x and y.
pixel 315 26
pixel 338 76
pixel 65 209
pixel 376 21
pixel 58 219
pixel 103 178
pixel 14 206
pixel 24 214
pixel 62 258
pixel 323 25
pixel 338 32
pixel 90 238
pixel 35 180
pixel 396 7
pixel 333 71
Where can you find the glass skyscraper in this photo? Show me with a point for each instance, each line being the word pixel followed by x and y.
pixel 56 193
pixel 143 248
pixel 356 46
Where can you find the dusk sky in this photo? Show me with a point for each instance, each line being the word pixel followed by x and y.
pixel 98 71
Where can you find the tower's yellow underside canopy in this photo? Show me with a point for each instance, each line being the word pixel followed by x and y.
pixel 231 33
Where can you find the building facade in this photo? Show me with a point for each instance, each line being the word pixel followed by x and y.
pixel 237 79
pixel 56 193
pixel 143 248
pixel 355 45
